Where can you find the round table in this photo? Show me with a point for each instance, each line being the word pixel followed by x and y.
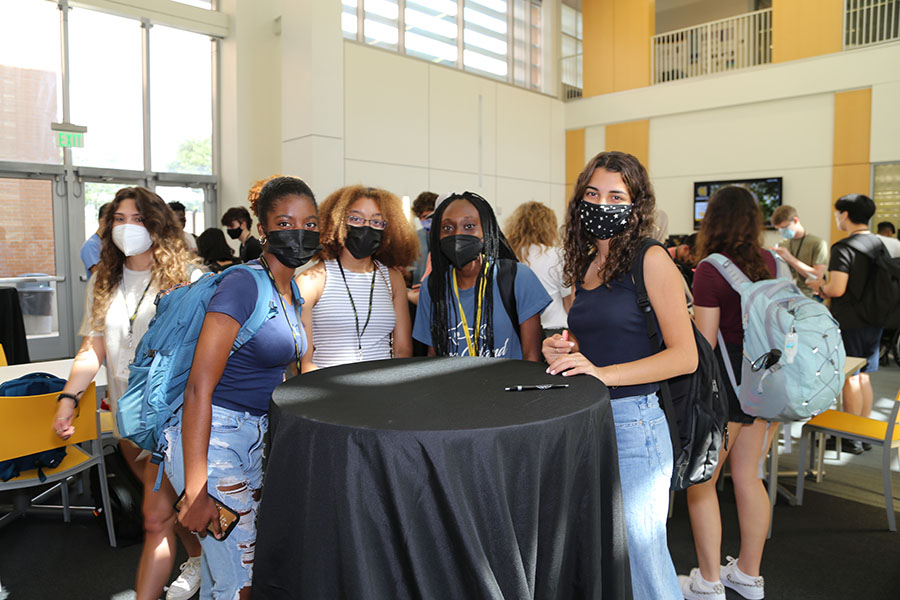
pixel 424 478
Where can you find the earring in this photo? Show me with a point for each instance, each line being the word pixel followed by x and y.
pixel 263 240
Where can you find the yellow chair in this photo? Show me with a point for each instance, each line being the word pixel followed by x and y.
pixel 3 362
pixel 26 427
pixel 852 427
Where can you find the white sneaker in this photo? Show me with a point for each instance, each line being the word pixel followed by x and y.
pixel 746 585
pixel 187 584
pixel 697 588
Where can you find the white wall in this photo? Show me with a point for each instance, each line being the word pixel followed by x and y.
pixel 412 126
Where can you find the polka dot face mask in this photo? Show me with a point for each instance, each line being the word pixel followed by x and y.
pixel 603 221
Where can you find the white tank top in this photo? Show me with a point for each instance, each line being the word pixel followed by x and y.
pixel 334 325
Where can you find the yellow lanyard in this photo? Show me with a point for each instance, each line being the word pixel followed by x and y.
pixel 473 349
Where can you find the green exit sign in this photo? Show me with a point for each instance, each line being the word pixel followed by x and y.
pixel 68 139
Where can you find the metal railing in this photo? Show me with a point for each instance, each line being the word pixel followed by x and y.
pixel 869 22
pixel 714 47
pixel 570 76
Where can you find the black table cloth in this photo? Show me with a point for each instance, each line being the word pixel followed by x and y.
pixel 423 478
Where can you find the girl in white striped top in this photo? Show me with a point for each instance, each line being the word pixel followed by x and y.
pixel 355 305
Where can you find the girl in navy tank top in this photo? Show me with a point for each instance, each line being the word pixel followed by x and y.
pixel 609 215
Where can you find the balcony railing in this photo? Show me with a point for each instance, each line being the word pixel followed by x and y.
pixel 570 70
pixel 715 47
pixel 868 22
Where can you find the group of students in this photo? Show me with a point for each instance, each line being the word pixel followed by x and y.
pixel 354 302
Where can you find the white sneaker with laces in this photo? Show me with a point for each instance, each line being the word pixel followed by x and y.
pixel 697 588
pixel 749 587
pixel 187 584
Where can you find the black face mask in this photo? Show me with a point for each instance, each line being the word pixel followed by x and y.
pixel 363 242
pixel 460 250
pixel 234 233
pixel 293 247
pixel 604 221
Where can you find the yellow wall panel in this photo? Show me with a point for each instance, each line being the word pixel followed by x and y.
pixel 574 159
pixel 851 173
pixel 804 28
pixel 616 44
pixel 632 137
pixel 598 47
pixel 848 179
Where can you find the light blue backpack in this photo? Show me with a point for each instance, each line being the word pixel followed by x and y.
pixel 793 355
pixel 163 359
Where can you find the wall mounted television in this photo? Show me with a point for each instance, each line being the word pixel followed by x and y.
pixel 767 191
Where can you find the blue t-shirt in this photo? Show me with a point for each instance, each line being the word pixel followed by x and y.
pixel 253 372
pixel 90 253
pixel 531 299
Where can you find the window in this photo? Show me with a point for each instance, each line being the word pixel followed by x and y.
pixel 180 101
pixel 571 52
pixel 192 198
pixel 886 194
pixel 496 38
pixel 30 84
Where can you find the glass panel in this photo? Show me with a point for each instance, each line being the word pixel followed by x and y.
pixel 431 30
pixel 520 42
pixel 95 196
pixel 887 195
pixel 349 22
pixel 207 4
pixel 27 246
pixel 380 25
pixel 106 89
pixel 535 45
pixel 193 200
pixel 180 101
pixel 30 83
pixel 485 37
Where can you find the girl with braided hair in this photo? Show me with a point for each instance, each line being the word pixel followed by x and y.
pixel 461 310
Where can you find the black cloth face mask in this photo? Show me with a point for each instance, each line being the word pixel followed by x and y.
pixel 293 247
pixel 460 250
pixel 234 233
pixel 604 221
pixel 363 242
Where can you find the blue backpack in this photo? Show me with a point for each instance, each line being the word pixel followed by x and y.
pixel 32 384
pixel 163 359
pixel 793 355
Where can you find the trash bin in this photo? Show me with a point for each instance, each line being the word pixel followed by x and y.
pixel 36 299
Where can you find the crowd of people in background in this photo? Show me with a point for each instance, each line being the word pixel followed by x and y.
pixel 452 282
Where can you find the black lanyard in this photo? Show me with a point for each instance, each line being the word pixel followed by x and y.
pixel 136 308
pixel 796 252
pixel 283 308
pixel 359 333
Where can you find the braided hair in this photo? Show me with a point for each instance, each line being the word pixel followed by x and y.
pixel 440 281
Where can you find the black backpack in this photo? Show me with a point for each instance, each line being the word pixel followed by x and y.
pixel 879 303
pixel 125 497
pixel 695 404
pixel 506 282
pixel 32 384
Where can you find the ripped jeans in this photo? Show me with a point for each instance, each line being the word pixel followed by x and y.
pixel 235 478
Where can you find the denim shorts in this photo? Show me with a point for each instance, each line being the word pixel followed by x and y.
pixel 234 472
pixel 645 471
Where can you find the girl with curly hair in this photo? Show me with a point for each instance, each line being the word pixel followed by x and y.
pixel 532 233
pixel 355 297
pixel 456 315
pixel 608 218
pixel 143 252
pixel 732 226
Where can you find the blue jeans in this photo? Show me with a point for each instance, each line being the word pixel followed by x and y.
pixel 645 469
pixel 235 477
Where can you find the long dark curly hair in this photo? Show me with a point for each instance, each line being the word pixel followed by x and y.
pixel 733 225
pixel 581 246
pixel 439 282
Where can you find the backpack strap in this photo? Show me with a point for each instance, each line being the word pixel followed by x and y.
pixel 729 271
pixel 782 270
pixel 506 281
pixel 643 302
pixel 263 311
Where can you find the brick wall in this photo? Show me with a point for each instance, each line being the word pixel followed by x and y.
pixel 26 227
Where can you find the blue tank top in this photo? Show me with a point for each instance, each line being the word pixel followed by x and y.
pixel 610 329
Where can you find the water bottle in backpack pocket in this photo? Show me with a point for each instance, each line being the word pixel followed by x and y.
pixel 793 355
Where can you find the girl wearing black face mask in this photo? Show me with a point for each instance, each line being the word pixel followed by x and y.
pixel 609 216
pixel 461 311
pixel 227 395
pixel 355 298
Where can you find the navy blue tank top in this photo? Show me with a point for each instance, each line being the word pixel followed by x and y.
pixel 610 329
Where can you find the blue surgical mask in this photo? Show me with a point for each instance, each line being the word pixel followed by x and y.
pixel 426 224
pixel 787 233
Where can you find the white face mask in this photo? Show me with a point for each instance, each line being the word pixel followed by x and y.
pixel 837 219
pixel 131 239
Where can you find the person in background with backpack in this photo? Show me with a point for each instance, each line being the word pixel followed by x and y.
pixel 733 226
pixel 848 281
pixel 214 447
pixel 143 252
pixel 608 220
pixel 462 310
pixel 355 305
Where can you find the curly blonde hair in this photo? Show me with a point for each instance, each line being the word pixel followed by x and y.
pixel 399 243
pixel 531 223
pixel 171 259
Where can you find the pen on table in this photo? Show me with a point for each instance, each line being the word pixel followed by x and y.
pixel 547 386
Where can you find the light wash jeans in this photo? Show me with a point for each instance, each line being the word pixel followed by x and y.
pixel 235 479
pixel 645 470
